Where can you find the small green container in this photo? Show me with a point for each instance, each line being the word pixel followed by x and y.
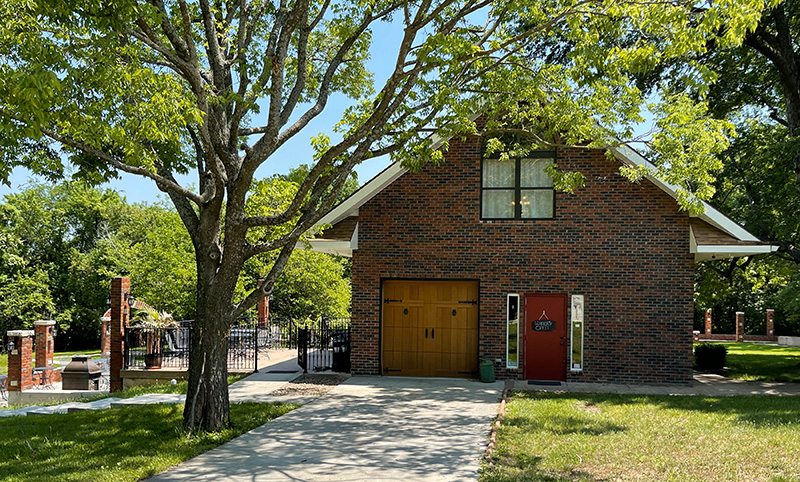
pixel 487 370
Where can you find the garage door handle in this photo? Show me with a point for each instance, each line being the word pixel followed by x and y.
pixel 433 330
pixel 426 333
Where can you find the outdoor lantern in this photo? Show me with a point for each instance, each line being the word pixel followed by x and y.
pixel 131 299
pixel 11 345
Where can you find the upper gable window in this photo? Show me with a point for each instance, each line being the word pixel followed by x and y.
pixel 518 188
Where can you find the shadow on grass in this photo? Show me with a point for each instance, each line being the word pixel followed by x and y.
pixel 123 444
pixel 524 468
pixel 565 425
pixel 760 411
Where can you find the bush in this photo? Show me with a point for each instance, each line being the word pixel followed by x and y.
pixel 708 356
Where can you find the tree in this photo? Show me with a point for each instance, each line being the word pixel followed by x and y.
pixel 157 88
pixel 52 263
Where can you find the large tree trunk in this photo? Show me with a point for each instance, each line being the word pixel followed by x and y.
pixel 207 396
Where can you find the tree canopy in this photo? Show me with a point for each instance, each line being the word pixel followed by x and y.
pixel 156 88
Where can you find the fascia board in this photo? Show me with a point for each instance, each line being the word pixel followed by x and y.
pixel 735 249
pixel 707 253
pixel 341 248
pixel 711 215
pixel 349 207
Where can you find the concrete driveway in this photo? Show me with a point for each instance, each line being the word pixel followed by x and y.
pixel 369 428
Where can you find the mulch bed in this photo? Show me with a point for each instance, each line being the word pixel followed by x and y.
pixel 312 384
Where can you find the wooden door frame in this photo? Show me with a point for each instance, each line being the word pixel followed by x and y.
pixel 380 311
pixel 525 328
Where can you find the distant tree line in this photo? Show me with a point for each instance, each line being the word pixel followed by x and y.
pixel 60 244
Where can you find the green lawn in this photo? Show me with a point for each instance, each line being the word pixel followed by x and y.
pixel 589 438
pixel 753 361
pixel 123 444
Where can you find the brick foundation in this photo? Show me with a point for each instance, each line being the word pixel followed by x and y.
pixel 624 246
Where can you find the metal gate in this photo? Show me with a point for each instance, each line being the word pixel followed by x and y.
pixel 324 345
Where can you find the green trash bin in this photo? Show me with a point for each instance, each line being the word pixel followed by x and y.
pixel 487 370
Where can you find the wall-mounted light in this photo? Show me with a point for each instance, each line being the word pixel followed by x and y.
pixel 11 345
pixel 130 299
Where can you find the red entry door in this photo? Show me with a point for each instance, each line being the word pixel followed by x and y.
pixel 545 337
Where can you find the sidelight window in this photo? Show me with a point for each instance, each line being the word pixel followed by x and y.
pixel 518 188
pixel 512 331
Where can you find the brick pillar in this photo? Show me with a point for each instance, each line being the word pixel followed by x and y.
pixel 119 320
pixel 263 310
pixel 105 338
pixel 20 363
pixel 44 342
pixel 771 323
pixel 739 326
pixel 708 321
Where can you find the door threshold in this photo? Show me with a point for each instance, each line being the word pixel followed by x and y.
pixel 551 383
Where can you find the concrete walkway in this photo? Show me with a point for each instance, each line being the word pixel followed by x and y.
pixel 257 387
pixel 368 428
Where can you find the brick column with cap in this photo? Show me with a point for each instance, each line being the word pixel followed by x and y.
pixel 20 365
pixel 119 319
pixel 105 337
pixel 44 342
pixel 739 326
pixel 263 310
pixel 708 321
pixel 771 324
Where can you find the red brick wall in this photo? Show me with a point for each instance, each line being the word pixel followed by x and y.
pixel 624 246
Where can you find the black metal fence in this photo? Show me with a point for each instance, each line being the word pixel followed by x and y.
pixel 324 345
pixel 321 345
pixel 147 347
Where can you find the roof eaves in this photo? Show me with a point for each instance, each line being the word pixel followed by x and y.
pixel 710 214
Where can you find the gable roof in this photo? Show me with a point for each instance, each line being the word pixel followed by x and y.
pixel 712 234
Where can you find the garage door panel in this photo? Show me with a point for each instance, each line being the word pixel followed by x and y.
pixel 426 331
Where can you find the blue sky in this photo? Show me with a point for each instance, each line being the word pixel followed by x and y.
pixel 295 152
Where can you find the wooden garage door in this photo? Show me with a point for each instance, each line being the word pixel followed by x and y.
pixel 430 328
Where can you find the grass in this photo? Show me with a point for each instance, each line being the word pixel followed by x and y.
pixel 123 444
pixel 588 438
pixel 754 361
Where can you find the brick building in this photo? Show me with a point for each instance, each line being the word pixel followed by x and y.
pixel 482 258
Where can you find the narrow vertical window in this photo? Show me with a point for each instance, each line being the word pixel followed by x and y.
pixel 512 332
pixel 578 323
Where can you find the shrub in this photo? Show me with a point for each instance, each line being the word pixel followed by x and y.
pixel 709 356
